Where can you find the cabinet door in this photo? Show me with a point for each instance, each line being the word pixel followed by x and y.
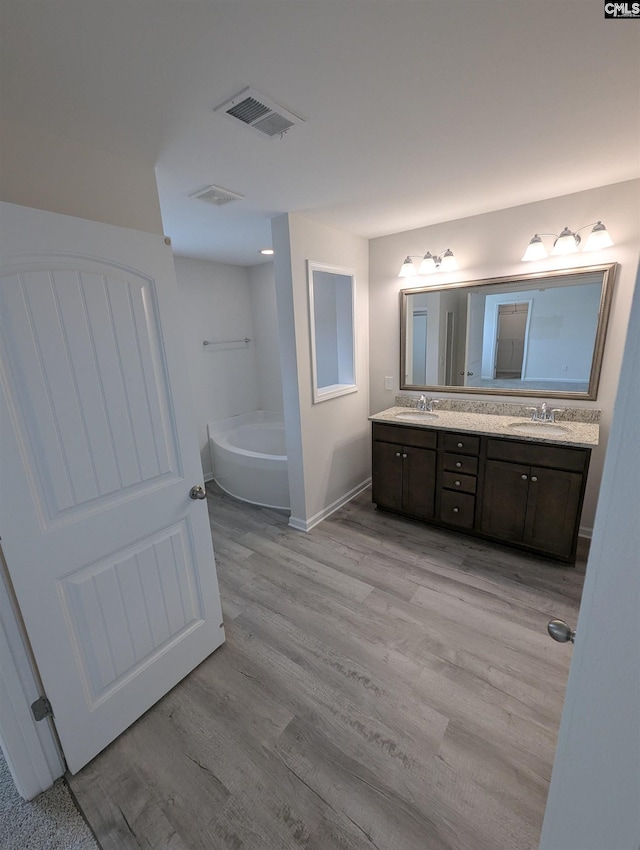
pixel 552 510
pixel 419 482
pixel 387 475
pixel 504 504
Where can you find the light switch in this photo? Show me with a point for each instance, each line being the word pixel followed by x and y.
pixel 388 382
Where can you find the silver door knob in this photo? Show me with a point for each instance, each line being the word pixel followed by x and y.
pixel 560 631
pixel 197 492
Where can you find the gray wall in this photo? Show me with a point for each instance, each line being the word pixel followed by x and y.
pixel 264 312
pixel 328 444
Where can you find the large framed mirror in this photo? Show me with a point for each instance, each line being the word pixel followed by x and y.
pixel 523 335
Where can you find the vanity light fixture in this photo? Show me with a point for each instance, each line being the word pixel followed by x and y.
pixel 431 263
pixel 568 242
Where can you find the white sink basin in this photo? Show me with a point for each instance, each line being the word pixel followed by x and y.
pixel 416 416
pixel 538 429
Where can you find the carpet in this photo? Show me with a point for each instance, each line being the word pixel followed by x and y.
pixel 50 822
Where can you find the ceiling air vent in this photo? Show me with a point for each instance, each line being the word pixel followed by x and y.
pixel 216 195
pixel 259 112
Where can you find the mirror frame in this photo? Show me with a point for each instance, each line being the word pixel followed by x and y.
pixel 608 277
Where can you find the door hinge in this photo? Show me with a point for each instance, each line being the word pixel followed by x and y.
pixel 41 708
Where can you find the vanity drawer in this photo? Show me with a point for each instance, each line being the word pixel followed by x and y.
pixel 454 481
pixel 536 454
pixel 461 443
pixel 457 508
pixel 463 464
pixel 403 436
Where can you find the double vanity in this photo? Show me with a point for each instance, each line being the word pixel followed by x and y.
pixel 501 476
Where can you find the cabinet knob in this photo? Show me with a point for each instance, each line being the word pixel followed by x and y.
pixel 397 454
pixel 458 464
pixel 524 477
pixel 456 510
pixel 534 477
pixel 458 483
pixel 404 454
pixel 460 445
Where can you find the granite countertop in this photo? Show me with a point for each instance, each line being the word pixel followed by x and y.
pixel 583 434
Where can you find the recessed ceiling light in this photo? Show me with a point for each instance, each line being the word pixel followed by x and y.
pixel 267 251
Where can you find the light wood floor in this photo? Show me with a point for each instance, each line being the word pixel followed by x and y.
pixel 383 685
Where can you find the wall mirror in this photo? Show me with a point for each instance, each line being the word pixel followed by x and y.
pixel 523 335
pixel 332 330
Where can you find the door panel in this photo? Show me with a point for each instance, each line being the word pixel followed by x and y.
pixel 148 594
pixel 419 482
pixel 504 501
pixel 111 561
pixel 387 475
pixel 552 510
pixel 94 426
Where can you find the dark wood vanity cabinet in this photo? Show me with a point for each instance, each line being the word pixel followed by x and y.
pixel 533 495
pixel 404 470
pixel 524 493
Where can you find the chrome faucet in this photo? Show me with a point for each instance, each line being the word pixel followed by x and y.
pixel 542 414
pixel 425 404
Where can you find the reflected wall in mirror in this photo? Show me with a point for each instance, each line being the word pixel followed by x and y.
pixel 522 335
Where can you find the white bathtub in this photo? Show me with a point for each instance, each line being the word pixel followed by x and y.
pixel 249 458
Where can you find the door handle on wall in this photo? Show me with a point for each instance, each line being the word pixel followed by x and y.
pixel 560 631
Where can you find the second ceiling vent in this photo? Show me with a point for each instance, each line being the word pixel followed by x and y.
pixel 259 112
pixel 216 195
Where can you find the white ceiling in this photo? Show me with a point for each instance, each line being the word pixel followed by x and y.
pixel 416 112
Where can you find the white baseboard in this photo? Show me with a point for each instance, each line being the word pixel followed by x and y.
pixel 208 477
pixel 308 524
pixel 585 531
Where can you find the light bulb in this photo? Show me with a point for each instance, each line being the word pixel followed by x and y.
pixel 535 250
pixel 566 243
pixel 598 238
pixel 428 264
pixel 408 269
pixel 448 262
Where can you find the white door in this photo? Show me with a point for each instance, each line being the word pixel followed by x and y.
pixel 594 796
pixel 475 334
pixel 111 560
